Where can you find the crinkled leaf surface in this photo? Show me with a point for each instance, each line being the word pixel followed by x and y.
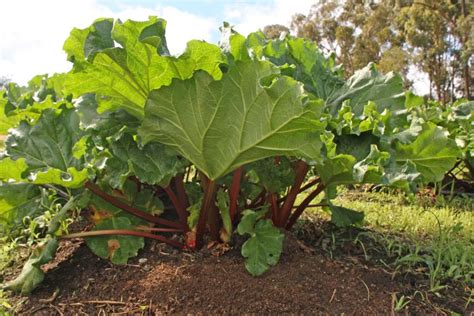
pixel 18 200
pixel 48 148
pixel 82 44
pixel 263 248
pixel 367 84
pixel 152 164
pixel 123 75
pixel 299 58
pixel 432 152
pixel 337 170
pixel 221 125
pixel 31 113
pixel 104 125
pixel 31 275
pixel 371 168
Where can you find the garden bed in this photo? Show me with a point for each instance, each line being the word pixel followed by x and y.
pixel 163 280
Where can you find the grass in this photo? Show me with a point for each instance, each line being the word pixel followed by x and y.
pixel 8 257
pixel 426 236
pixel 416 219
pixel 436 239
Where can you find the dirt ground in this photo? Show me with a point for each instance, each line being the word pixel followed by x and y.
pixel 164 281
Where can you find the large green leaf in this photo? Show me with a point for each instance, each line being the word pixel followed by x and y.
pixel 367 84
pixel 18 201
pixel 30 114
pixel 82 44
pixel 123 75
pixel 264 247
pixel 152 164
pixel 432 152
pixel 221 125
pixel 48 148
pixel 337 170
pixel 297 57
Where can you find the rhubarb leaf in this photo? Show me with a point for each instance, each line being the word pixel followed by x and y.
pixel 18 201
pixel 152 164
pixel 123 75
pixel 118 249
pixel 274 177
pixel 12 169
pixel 263 248
pixel 48 148
pixel 432 152
pixel 367 84
pixel 221 125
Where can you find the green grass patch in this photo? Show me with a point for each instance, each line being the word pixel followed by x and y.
pixel 433 237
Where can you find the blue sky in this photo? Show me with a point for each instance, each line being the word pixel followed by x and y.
pixel 208 8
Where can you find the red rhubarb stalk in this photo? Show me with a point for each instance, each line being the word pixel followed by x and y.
pixel 285 211
pixel 299 210
pixel 182 214
pixel 272 200
pixel 181 191
pixel 208 200
pixel 129 209
pixel 124 232
pixel 303 188
pixel 234 192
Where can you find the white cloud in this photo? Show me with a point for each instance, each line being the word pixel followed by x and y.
pixel 421 81
pixel 248 18
pixel 32 32
pixel 183 26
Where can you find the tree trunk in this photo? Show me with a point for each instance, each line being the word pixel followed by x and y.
pixel 465 70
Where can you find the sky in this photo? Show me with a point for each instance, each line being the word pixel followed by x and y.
pixel 32 32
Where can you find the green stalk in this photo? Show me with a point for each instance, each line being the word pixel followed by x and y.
pixel 55 222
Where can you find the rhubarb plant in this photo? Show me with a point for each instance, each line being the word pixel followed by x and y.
pixel 194 148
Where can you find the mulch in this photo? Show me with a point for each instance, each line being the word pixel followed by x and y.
pixel 163 280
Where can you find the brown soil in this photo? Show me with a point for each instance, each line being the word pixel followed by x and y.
pixel 163 280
